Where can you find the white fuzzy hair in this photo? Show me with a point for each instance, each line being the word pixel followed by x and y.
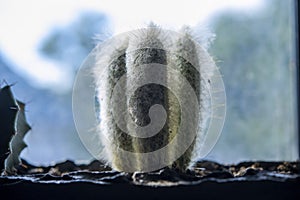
pixel 151 37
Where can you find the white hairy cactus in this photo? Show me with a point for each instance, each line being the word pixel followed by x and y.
pixel 160 98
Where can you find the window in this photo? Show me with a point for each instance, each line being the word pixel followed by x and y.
pixel 258 63
pixel 255 49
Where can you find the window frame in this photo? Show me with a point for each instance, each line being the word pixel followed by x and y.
pixel 297 56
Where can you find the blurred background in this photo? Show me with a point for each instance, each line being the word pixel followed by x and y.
pixel 43 43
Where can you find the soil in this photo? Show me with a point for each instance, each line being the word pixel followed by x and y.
pixel 98 173
pixel 207 179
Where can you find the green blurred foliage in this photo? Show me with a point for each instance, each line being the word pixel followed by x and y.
pixel 255 53
pixel 68 46
pixel 72 43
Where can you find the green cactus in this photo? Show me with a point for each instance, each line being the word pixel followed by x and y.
pixel 8 112
pixel 18 127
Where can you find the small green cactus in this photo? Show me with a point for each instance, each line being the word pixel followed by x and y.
pixel 19 128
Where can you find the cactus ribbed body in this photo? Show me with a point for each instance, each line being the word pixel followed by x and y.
pixel 147 95
pixel 145 48
pixel 184 48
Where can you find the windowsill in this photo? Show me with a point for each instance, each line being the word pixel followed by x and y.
pixel 245 180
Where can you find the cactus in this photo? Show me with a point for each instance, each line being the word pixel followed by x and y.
pixel 16 129
pixel 123 65
pixel 8 112
pixel 185 47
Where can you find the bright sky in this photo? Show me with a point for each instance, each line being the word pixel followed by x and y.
pixel 24 23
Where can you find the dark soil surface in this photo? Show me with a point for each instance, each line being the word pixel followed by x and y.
pixel 98 173
pixel 206 180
